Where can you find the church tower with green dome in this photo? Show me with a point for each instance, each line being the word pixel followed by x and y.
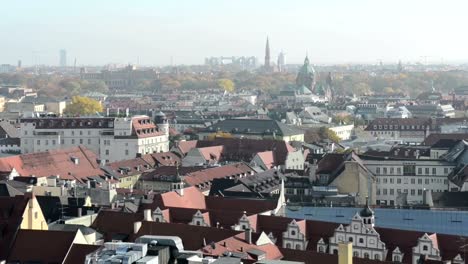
pixel 305 80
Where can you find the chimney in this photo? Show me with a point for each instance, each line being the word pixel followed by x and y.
pixel 427 198
pixel 345 253
pixel 136 227
pixel 75 160
pixel 80 212
pixel 147 215
pixel 248 235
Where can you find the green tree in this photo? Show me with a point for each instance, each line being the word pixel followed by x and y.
pixel 226 84
pixel 81 105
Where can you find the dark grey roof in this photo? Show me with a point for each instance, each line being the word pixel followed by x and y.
pixel 7 190
pixel 255 126
pixel 8 130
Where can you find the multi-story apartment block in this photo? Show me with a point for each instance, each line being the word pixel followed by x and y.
pixel 112 139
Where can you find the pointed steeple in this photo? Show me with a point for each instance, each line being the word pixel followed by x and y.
pixel 267 54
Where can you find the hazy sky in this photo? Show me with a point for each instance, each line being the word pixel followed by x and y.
pixel 331 31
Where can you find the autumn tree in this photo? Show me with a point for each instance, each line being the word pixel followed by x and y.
pixel 81 105
pixel 329 134
pixel 226 84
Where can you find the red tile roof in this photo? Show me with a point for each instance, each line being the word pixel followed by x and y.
pixel 238 244
pixel 165 159
pixel 54 162
pixel 267 158
pixel 185 146
pixel 204 177
pixel 242 149
pixel 143 127
pixel 129 167
pixel 212 154
pixel 192 198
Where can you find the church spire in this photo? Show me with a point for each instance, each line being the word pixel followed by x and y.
pixel 267 55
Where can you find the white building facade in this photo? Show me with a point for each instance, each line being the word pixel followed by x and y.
pixel 113 139
pixel 410 177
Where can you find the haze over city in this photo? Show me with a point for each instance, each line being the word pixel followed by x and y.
pixel 185 32
pixel 233 132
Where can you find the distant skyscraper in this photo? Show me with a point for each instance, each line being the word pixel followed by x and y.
pixel 267 65
pixel 19 64
pixel 63 58
pixel 281 62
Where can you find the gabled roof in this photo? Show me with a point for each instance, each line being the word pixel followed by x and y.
pixel 212 154
pixel 8 130
pixel 185 146
pixel 238 244
pixel 111 223
pixel 203 178
pixel 244 149
pixel 11 216
pixel 267 158
pixel 54 162
pixel 78 252
pixel 41 246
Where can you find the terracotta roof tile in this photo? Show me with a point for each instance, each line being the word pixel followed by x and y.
pixel 54 162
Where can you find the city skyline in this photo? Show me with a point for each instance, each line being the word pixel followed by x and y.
pixel 185 32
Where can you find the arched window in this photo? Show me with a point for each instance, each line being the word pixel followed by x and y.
pixel 377 257
pixel 320 249
pixel 366 255
pixel 197 223
pixel 356 254
pixel 350 239
pixel 361 240
pixel 288 245
pixel 335 252
pixel 293 233
pixel 156 219
pixel 298 246
pixel 425 248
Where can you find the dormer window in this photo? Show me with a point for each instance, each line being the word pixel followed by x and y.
pixel 293 233
pixel 425 248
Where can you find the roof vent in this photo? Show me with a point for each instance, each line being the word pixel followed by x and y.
pixel 75 160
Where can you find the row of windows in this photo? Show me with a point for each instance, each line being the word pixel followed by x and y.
pixel 412 192
pixel 396 127
pixel 391 170
pixel 405 180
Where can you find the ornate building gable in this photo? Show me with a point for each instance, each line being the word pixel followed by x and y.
pixel 397 255
pixel 458 260
pixel 199 219
pixel 244 223
pixel 158 215
pixel 294 237
pixel 427 246
pixel 321 246
pixel 366 241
